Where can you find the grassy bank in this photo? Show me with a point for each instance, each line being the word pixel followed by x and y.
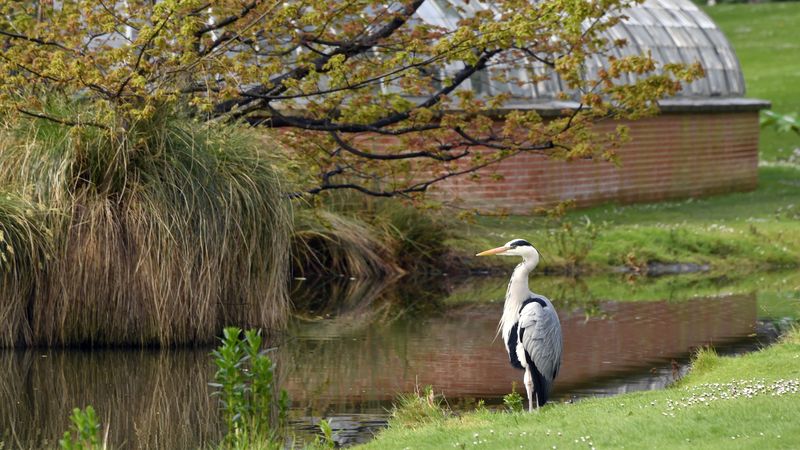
pixel 740 232
pixel 760 410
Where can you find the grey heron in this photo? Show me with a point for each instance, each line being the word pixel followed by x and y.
pixel 529 325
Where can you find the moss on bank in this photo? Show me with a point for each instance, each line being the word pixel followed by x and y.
pixel 725 402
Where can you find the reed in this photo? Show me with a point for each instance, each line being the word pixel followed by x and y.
pixel 161 234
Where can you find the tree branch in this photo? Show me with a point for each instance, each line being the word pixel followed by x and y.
pixel 38 41
pixel 228 20
pixel 139 57
pixel 349 50
pixel 394 157
pixel 62 121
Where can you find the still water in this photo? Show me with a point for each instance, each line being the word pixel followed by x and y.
pixel 347 359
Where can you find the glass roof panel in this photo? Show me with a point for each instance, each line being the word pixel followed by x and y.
pixel 671 30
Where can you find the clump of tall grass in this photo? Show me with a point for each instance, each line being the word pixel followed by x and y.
pixel 363 237
pixel 327 242
pixel 161 233
pixel 418 236
pixel 705 359
pixel 418 408
pixel 24 247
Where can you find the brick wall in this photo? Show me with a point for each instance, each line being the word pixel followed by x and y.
pixel 669 156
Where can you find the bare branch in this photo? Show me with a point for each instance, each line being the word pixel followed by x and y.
pixel 489 143
pixel 62 121
pixel 349 50
pixel 12 35
pixel 228 20
pixel 394 156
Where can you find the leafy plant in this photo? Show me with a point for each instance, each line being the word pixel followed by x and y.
pixel 513 401
pixel 780 122
pixel 84 431
pixel 245 383
pixel 326 440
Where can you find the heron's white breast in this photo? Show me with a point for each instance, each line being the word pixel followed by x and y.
pixel 521 355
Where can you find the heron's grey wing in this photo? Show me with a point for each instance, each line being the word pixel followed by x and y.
pixel 540 336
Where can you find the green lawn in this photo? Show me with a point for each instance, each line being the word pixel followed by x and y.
pixel 692 414
pixel 736 232
pixel 766 39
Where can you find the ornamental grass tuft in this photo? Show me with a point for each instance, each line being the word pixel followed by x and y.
pixel 158 234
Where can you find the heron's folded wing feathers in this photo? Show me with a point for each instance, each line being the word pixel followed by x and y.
pixel 540 335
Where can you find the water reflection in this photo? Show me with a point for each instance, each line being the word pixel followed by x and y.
pixel 151 399
pixel 347 359
pixel 331 363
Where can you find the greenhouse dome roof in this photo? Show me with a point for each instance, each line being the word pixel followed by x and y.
pixel 673 31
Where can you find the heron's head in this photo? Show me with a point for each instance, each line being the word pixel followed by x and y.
pixel 514 247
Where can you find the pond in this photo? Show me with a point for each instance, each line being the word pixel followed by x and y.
pixel 358 345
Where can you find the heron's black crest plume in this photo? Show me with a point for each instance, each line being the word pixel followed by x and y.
pixel 520 243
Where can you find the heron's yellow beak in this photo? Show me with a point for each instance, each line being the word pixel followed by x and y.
pixel 494 251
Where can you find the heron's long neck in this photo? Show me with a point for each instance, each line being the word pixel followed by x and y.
pixel 516 293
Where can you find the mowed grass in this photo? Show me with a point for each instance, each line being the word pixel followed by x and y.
pixel 692 414
pixel 766 39
pixel 735 232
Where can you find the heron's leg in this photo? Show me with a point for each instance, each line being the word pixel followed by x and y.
pixel 529 387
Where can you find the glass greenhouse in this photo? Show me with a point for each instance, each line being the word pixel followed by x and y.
pixel 670 30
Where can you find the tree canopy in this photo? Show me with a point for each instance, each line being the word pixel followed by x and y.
pixel 326 74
